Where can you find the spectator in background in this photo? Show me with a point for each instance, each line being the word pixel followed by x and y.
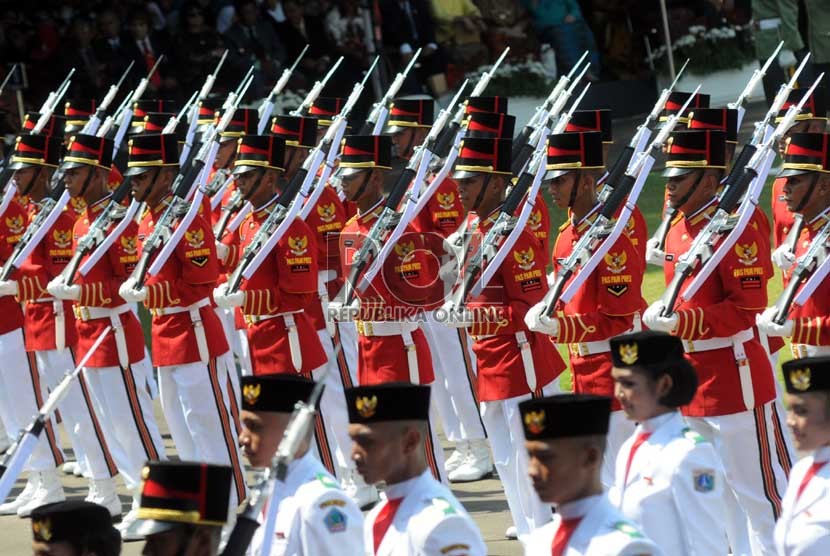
pixel 251 41
pixel 560 24
pixel 144 47
pixel 406 25
pixel 346 28
pixel 89 76
pixel 164 14
pixel 507 24
pixel 458 28
pixel 109 46
pixel 299 30
pixel 273 13
pixel 198 48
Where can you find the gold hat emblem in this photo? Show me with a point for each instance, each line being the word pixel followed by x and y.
pixel 800 378
pixel 251 393
pixel 42 529
pixel 628 353
pixel 535 421
pixel 366 406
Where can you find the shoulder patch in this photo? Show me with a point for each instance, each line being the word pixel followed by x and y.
pixel 695 437
pixel 629 529
pixel 704 480
pixel 444 505
pixel 327 481
pixel 335 521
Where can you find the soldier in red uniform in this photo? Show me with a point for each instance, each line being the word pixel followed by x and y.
pixel 600 120
pixel 145 105
pixel 391 347
pixel 514 363
pixel 676 101
pixel 50 334
pixel 805 173
pixel 811 119
pixel 325 109
pixel 116 372
pixel 734 406
pixel 609 302
pixel 188 344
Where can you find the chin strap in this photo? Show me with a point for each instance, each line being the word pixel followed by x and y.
pixel 685 198
pixel 359 193
pixel 87 181
pixel 806 197
pixel 257 183
pixel 152 185
pixel 572 198
pixel 481 192
pixel 31 182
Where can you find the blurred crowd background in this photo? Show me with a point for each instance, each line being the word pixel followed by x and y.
pixel 100 38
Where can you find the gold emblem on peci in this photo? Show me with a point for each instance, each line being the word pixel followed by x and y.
pixel 366 406
pixel 535 421
pixel 251 393
pixel 629 353
pixel 800 378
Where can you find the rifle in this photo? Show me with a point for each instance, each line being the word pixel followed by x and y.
pixel 544 119
pixel 181 188
pixel 391 223
pixel 291 199
pixel 92 125
pixel 106 126
pixel 12 462
pixel 756 78
pixel 659 238
pixel 374 123
pixel 55 96
pixel 596 242
pixel 564 82
pixel 305 106
pixel 8 78
pixel 248 521
pixel 267 106
pixel 445 141
pixel 707 250
pixel 811 270
pixel 126 116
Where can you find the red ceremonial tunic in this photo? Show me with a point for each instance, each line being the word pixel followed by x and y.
pixel 186 278
pixel 326 219
pixel 725 305
pixel 538 223
pixel 782 218
pixel 46 261
pixel 498 315
pixel 811 320
pixel 602 308
pixel 285 282
pixel 99 288
pixel 399 291
pixel 12 226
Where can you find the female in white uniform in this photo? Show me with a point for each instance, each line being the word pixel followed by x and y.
pixel 668 478
pixel 804 526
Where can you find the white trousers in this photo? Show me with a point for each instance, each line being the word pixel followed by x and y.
pixel 454 389
pixel 507 439
pixel 620 428
pixel 333 414
pixel 24 394
pixel 195 404
pixel 347 333
pixel 80 419
pixel 755 453
pixel 126 410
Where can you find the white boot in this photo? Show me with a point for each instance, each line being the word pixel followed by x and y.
pixel 48 491
pixel 128 533
pixel 457 457
pixel 71 468
pixel 476 466
pixel 25 496
pixel 102 492
pixel 356 488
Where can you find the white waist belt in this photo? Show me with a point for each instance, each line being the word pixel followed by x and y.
pixel 583 349
pixel 694 346
pixel 394 328
pixel 60 320
pixel 736 342
pixel 291 328
pixel 85 313
pixel 801 351
pixel 195 318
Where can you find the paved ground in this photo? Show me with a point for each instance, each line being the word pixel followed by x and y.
pixel 484 499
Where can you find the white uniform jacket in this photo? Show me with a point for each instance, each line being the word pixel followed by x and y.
pixel 603 531
pixel 429 521
pixel 804 526
pixel 674 490
pixel 315 517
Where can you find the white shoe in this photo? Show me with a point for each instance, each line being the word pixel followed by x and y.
pixel 477 465
pixel 102 492
pixel 511 533
pixel 362 494
pixel 48 491
pixel 457 457
pixel 25 496
pixel 127 522
pixel 71 468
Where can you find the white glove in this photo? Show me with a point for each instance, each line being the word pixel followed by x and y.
pixel 455 317
pixel 786 59
pixel 449 272
pixel 653 319
pixel 222 251
pixel 130 293
pixel 228 300
pixel 539 322
pixel 8 287
pixel 58 288
pixel 97 235
pixel 765 324
pixel 654 255
pixel 453 245
pixel 783 257
pixel 551 278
